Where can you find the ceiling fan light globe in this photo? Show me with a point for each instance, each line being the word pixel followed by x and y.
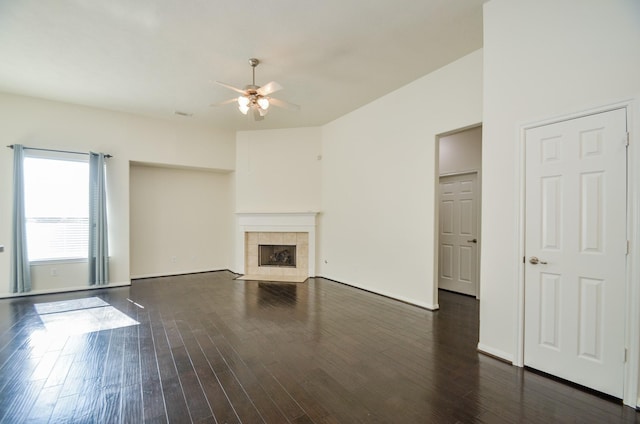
pixel 243 101
pixel 244 109
pixel 263 102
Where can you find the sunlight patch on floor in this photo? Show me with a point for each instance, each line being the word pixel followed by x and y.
pixel 69 305
pixel 80 316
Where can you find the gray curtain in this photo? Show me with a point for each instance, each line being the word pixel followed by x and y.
pixel 98 246
pixel 20 278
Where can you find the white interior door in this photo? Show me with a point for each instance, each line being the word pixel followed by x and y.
pixel 576 247
pixel 458 238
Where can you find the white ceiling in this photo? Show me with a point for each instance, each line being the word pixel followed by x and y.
pixel 154 57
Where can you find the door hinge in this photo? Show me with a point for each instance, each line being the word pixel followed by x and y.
pixel 628 246
pixel 628 138
pixel 625 354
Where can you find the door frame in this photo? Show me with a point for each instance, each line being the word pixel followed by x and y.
pixel 478 224
pixel 632 283
pixel 436 208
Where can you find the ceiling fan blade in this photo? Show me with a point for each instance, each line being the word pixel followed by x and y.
pixel 283 104
pixel 257 116
pixel 268 88
pixel 231 87
pixel 226 102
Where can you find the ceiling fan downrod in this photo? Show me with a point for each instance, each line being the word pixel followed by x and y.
pixel 254 62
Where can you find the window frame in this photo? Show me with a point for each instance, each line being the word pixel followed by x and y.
pixel 61 156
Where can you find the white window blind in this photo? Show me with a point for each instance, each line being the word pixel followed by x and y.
pixel 56 189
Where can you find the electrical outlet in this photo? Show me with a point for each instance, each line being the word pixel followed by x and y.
pixel 174 259
pixel 54 272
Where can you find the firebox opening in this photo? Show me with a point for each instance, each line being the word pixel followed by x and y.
pixel 277 255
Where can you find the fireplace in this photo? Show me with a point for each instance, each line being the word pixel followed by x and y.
pixel 290 241
pixel 277 255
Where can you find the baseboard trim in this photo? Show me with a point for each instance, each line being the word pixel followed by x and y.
pixel 495 353
pixel 164 274
pixel 427 306
pixel 64 290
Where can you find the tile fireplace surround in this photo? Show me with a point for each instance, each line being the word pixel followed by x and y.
pixel 297 228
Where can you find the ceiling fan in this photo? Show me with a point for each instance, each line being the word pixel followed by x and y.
pixel 256 98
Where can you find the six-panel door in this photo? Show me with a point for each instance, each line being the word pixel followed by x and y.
pixel 458 235
pixel 575 246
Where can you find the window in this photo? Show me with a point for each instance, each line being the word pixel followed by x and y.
pixel 56 190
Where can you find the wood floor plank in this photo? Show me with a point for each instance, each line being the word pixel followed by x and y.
pixel 177 409
pixel 212 354
pixel 293 383
pixel 196 400
pixel 341 402
pixel 64 410
pixel 15 370
pixel 44 404
pixel 76 381
pixel 216 396
pixel 113 366
pixel 59 371
pixel 131 362
pixel 261 399
pixel 153 401
pixel 286 403
pixel 89 404
pixel 131 407
pixel 110 404
pixel 18 403
pixel 244 407
pixel 45 365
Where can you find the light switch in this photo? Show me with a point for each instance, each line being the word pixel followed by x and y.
pixel 1 248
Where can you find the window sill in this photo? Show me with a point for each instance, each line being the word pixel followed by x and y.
pixel 45 262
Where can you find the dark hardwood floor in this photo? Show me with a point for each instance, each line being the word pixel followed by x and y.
pixel 211 349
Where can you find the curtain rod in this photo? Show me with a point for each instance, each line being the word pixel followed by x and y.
pixel 57 151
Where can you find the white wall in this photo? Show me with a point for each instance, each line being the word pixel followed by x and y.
pixel 461 151
pixel 379 174
pixel 181 220
pixel 542 59
pixel 40 123
pixel 278 170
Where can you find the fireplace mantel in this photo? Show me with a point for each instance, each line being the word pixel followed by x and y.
pixel 285 222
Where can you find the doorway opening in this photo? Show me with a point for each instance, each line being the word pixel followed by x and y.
pixel 458 211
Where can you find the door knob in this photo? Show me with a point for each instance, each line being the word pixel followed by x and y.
pixel 472 241
pixel 535 261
